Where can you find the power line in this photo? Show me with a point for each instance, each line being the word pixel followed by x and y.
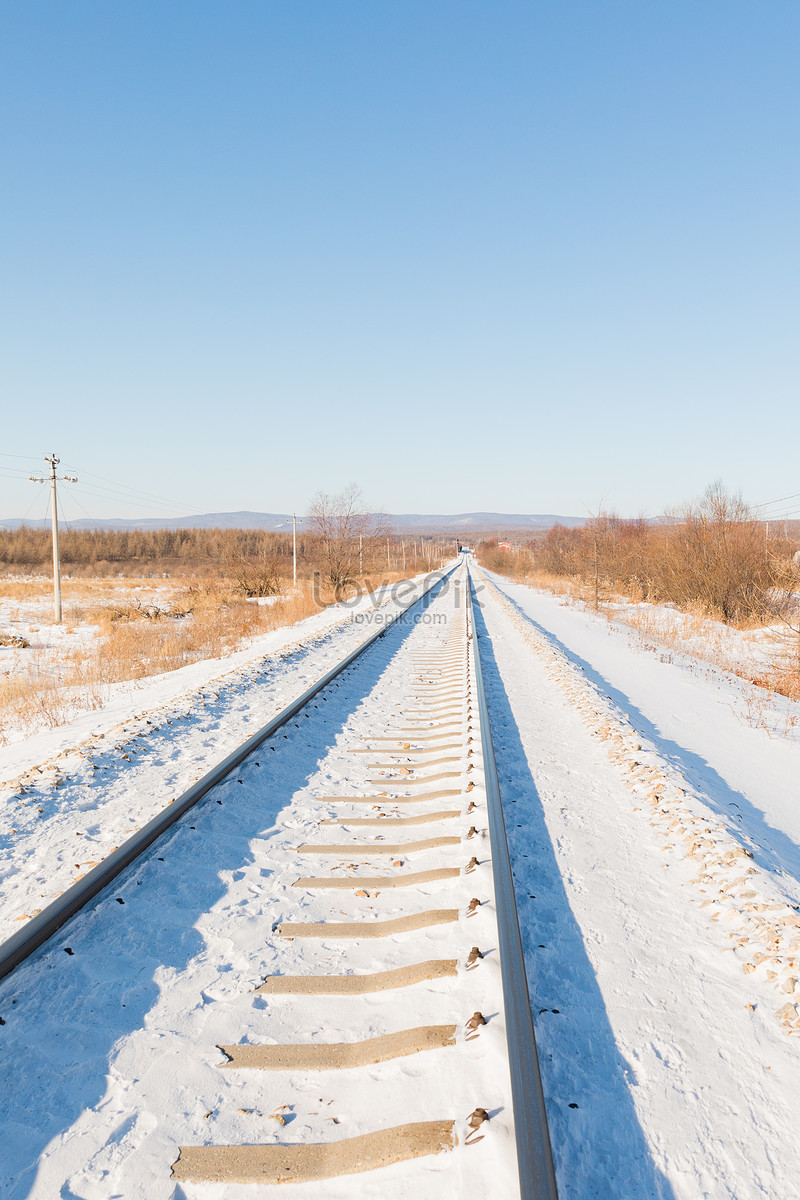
pixel 769 503
pixel 80 506
pixel 30 506
pixel 117 490
pixel 15 472
pixel 107 494
pixel 131 496
pixel 136 491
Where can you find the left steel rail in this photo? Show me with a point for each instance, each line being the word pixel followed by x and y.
pixel 40 929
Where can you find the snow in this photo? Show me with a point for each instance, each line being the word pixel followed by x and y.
pixel 699 719
pixel 655 839
pixel 124 701
pixel 115 1060
pixel 677 1060
pixel 72 794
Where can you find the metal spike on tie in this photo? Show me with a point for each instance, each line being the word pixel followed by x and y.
pixel 472 831
pixel 475 1020
pixel 476 1119
pixel 473 957
pixel 473 906
pixel 472 864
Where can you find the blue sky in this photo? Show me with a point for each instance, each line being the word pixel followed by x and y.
pixel 534 257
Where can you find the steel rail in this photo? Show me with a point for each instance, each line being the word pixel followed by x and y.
pixel 41 928
pixel 537 1180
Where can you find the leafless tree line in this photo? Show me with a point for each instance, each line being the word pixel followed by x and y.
pixel 712 553
pixel 345 544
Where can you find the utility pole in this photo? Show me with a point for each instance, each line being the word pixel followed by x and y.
pixel 404 556
pixel 51 458
pixel 294 550
pixel 361 555
pixel 388 560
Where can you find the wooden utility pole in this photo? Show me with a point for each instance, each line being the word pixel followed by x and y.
pixel 54 461
pixel 294 550
pixel 54 521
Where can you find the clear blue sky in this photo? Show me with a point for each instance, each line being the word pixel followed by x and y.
pixel 521 256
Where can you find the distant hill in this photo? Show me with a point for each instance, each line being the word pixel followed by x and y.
pixel 458 523
pixel 479 522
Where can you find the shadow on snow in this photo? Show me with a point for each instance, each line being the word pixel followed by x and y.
pixel 105 988
pixel 773 850
pixel 599 1147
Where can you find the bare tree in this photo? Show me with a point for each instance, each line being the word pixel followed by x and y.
pixel 350 536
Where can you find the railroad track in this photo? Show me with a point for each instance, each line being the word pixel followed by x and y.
pixel 392 1029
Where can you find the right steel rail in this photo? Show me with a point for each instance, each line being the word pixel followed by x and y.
pixel 537 1179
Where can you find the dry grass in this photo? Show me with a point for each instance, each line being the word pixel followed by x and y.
pixel 138 631
pixel 37 696
pixel 48 688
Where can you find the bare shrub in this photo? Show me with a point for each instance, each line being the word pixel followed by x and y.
pixel 714 552
pixel 710 560
pixel 256 574
pixel 711 552
pixel 498 559
pixel 785 599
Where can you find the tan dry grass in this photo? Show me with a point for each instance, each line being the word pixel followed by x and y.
pixel 48 690
pixel 200 619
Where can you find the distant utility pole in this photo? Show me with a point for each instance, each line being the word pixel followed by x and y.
pixel 51 458
pixel 388 560
pixel 294 549
pixel 361 555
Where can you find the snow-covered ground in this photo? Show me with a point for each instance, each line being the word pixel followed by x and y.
pixel 115 1059
pixel 656 850
pixel 665 627
pixel 700 719
pixel 34 647
pixel 654 828
pixel 69 795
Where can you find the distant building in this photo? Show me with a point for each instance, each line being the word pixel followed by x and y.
pixel 504 545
